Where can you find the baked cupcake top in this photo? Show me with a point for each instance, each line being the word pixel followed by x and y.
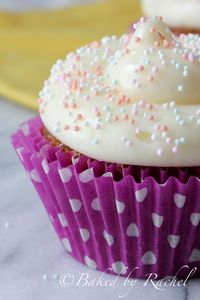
pixel 133 100
pixel 176 13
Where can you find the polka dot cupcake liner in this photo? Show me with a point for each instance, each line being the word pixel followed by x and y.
pixel 122 220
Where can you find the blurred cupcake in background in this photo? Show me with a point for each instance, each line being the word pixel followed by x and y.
pixel 182 16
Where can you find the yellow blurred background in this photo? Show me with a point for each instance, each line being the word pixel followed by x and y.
pixel 31 42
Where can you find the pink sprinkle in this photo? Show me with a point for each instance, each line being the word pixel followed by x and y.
pixel 141 68
pixel 163 128
pixel 152 29
pixel 129 143
pixel 141 103
pixel 131 121
pixel 74 105
pixel 95 44
pixel 98 70
pixel 97 113
pixel 155 70
pixel 166 44
pixel 156 44
pixel 185 56
pixel 168 140
pixel 76 128
pixel 191 57
pixel 134 112
pixel 157 127
pixel 66 75
pixel 108 95
pixel 77 57
pixel 150 78
pixel 96 93
pixel 66 127
pixel 125 117
pixel 115 118
pixel 95 109
pixel 79 116
pixel 149 106
pixel 65 105
pixel 40 100
pixel 137 39
pixel 175 149
pixel 123 97
pixel 119 102
pixel 126 50
pixel 150 117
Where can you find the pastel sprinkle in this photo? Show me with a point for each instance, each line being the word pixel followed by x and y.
pixel 160 152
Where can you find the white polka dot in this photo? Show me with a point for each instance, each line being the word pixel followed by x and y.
pixel 157 220
pixel 109 238
pixel 34 175
pixel 75 160
pixel 85 235
pixel 132 230
pixel 19 152
pixel 119 267
pixel 44 149
pixel 67 244
pixel 25 129
pixel 195 256
pixel 90 262
pixel 173 240
pixel 195 219
pixel 108 174
pixel 96 204
pixel 141 194
pixel 120 206
pixel 65 174
pixel 75 204
pixel 179 200
pixel 86 176
pixel 149 258
pixel 63 220
pixel 45 166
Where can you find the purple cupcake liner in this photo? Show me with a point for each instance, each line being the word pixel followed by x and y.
pixel 130 221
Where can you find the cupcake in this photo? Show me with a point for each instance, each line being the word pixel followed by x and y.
pixel 182 16
pixel 114 152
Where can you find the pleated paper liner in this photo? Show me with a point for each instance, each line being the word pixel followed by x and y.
pixel 118 219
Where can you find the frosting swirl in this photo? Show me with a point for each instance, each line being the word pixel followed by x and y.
pixel 132 100
pixel 135 67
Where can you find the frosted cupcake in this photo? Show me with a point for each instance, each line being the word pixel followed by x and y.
pixel 182 16
pixel 114 153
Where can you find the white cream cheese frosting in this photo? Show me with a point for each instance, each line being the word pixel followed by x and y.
pixel 176 13
pixel 133 100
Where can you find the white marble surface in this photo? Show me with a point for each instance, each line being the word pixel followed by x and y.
pixel 30 252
